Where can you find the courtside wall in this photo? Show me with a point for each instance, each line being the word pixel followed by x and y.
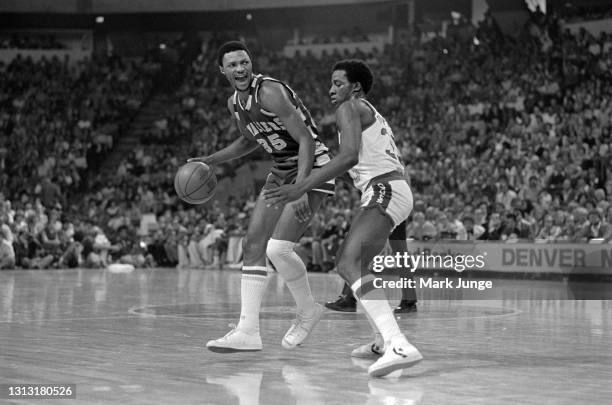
pixel 527 257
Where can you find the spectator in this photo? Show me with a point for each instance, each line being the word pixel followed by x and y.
pixel 420 228
pixel 494 228
pixel 549 231
pixel 196 256
pixel 531 191
pixel 332 235
pixel 505 195
pixel 473 231
pixel 596 228
pixel 514 228
pixel 50 193
pixel 7 253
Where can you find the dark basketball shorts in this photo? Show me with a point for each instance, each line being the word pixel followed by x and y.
pixel 279 176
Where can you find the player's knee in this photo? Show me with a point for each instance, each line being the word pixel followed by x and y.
pixel 279 249
pixel 253 246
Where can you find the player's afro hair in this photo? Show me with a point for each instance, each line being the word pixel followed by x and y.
pixel 357 71
pixel 231 46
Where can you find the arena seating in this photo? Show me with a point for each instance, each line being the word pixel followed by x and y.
pixel 505 139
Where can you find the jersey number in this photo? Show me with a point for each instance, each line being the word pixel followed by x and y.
pixel 274 140
pixel 392 151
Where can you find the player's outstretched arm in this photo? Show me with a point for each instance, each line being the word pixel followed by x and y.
pixel 274 98
pixel 348 121
pixel 240 147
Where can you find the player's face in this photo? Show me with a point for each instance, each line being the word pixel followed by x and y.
pixel 341 89
pixel 238 69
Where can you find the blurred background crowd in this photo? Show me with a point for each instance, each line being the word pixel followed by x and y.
pixel 505 138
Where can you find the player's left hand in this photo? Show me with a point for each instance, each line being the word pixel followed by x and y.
pixel 279 196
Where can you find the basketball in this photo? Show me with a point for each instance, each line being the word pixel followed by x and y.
pixel 195 182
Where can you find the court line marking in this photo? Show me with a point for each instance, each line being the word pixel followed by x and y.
pixel 93 318
pixel 199 315
pixel 132 313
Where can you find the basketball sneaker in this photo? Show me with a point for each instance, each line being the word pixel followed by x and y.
pixel 299 331
pixel 398 355
pixel 236 340
pixel 372 349
pixel 405 307
pixel 368 350
pixel 343 304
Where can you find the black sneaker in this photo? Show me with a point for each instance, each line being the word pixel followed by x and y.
pixel 406 307
pixel 343 304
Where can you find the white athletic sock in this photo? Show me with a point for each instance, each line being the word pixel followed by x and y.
pixel 378 340
pixel 292 269
pixel 252 287
pixel 300 289
pixel 375 304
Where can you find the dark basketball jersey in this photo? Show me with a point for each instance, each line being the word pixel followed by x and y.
pixel 268 129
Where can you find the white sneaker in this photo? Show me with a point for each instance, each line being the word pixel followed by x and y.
pixel 301 328
pixel 399 354
pixel 368 350
pixel 236 340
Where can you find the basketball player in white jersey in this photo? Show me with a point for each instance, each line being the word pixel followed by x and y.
pixel 368 152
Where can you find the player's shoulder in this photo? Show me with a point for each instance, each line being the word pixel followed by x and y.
pixel 269 87
pixel 274 95
pixel 355 106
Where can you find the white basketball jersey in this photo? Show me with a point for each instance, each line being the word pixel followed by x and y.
pixel 378 153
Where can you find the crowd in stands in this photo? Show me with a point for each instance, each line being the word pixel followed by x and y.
pixel 505 139
pixel 58 118
pixel 573 12
pixel 344 36
pixel 30 41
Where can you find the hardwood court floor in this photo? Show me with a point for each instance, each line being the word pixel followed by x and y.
pixel 139 338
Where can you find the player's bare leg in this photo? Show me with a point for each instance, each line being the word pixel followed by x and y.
pixel 366 239
pixel 245 336
pixel 375 348
pixel 290 266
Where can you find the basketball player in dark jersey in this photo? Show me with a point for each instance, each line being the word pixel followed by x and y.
pixel 270 115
